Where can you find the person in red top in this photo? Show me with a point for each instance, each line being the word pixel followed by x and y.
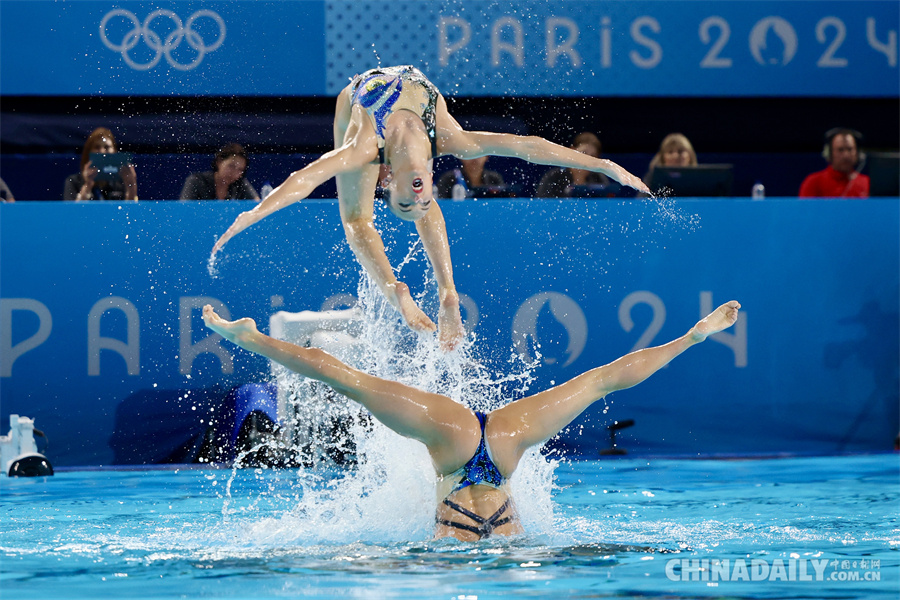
pixel 841 178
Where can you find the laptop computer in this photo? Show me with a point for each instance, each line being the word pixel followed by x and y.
pixel 884 173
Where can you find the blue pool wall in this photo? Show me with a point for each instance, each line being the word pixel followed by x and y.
pixel 109 296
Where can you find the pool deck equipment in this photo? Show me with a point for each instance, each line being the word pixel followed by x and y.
pixel 313 418
pixel 613 448
pixel 19 455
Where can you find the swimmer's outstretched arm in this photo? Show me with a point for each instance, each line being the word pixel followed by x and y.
pixel 472 144
pixel 535 419
pixel 356 193
pixel 433 419
pixel 539 151
pixel 301 184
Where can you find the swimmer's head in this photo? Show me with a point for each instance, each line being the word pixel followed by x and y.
pixel 409 192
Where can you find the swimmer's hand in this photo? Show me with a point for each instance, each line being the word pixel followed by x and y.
pixel 239 332
pixel 220 243
pixel 400 298
pixel 718 320
pixel 242 222
pixel 615 171
pixel 450 323
pixel 635 183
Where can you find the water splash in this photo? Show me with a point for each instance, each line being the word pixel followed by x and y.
pixel 390 493
pixel 377 57
pixel 669 212
pixel 211 267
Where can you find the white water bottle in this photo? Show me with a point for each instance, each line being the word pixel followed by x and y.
pixel 758 192
pixel 459 191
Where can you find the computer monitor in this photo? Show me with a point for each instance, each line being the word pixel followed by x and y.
pixel 606 190
pixel 702 180
pixel 884 173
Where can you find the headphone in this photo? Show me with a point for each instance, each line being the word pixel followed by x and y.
pixel 836 131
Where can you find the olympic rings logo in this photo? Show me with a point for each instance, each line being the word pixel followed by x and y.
pixel 182 31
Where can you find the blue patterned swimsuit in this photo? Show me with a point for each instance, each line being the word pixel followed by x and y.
pixel 480 470
pixel 385 90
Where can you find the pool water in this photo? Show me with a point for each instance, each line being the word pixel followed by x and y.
pixel 822 527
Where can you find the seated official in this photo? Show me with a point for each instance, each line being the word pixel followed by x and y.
pixel 675 150
pixel 226 181
pixel 6 194
pixel 842 177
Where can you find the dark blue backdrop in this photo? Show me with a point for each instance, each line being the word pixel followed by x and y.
pixel 812 367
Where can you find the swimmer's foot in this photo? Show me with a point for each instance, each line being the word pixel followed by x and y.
pixel 239 332
pixel 718 320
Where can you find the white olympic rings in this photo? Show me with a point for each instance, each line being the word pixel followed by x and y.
pixel 152 39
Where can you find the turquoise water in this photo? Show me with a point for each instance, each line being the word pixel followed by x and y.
pixel 614 528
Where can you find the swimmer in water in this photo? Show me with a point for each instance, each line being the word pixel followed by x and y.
pixel 395 116
pixel 474 454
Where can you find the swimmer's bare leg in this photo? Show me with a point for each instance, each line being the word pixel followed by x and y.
pixel 449 430
pixel 342 117
pixel 514 428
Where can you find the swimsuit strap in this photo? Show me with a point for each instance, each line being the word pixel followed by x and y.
pixel 476 530
pixel 486 526
pixel 474 516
